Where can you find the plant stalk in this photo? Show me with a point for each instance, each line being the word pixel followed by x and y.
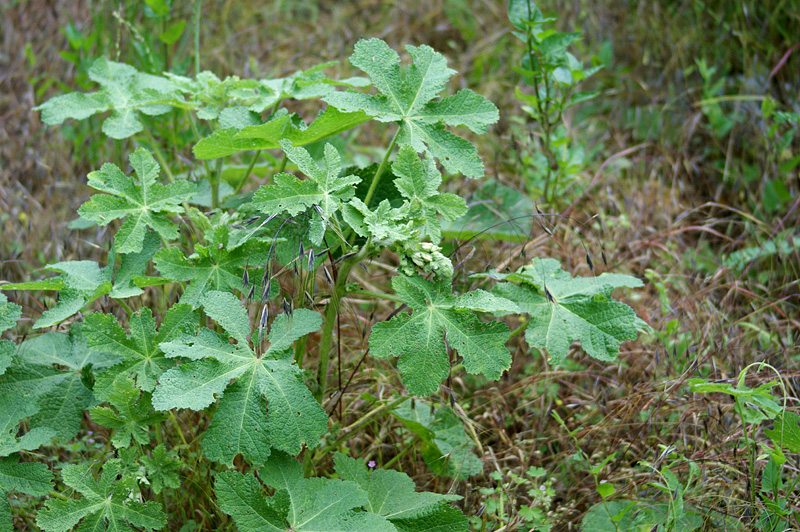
pixel 329 319
pixel 378 173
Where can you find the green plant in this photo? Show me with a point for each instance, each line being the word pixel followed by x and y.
pixel 208 355
pixel 554 161
pixel 753 406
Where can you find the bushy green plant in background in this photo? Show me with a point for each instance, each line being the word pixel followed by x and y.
pixel 553 160
pixel 210 296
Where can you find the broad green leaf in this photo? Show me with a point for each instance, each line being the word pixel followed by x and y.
pixel 139 351
pixel 313 505
pixel 61 405
pixel 133 265
pixel 162 469
pixel 578 308
pixel 9 313
pixel 324 188
pixel 419 182
pixel 267 136
pixel 418 339
pixel 446 448
pixel 133 416
pixel 31 478
pixel 406 97
pixel 268 406
pixel 13 409
pixel 240 497
pixel 391 494
pixel 124 91
pixel 216 266
pixel 80 283
pixel 786 433
pixel 446 519
pixel 106 503
pixel 83 281
pixel 143 204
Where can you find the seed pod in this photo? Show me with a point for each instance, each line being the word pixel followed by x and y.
pixel 251 293
pixel 245 280
pixel 327 274
pixel 264 317
pixel 311 258
pixel 589 261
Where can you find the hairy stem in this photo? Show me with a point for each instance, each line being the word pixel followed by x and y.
pixel 379 295
pixel 377 177
pixel 247 173
pixel 160 156
pixel 329 319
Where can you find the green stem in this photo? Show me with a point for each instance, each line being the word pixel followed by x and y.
pixel 329 320
pixel 161 160
pixel 519 330
pixel 174 420
pixel 405 451
pixel 214 182
pixel 386 406
pixel 300 351
pixel 280 168
pixel 247 173
pixel 197 8
pixel 379 295
pixel 128 309
pixel 377 177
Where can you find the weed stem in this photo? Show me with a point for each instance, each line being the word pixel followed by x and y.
pixel 377 177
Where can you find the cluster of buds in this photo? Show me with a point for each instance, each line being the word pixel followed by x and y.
pixel 427 257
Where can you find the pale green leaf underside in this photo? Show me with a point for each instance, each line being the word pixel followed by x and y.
pixel 123 90
pixel 581 309
pixel 142 205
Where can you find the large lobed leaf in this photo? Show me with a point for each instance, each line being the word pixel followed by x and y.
pixel 143 204
pixel 216 266
pixel 564 309
pixel 418 339
pixel 62 392
pixel 84 281
pixel 124 91
pixel 267 136
pixel 106 503
pixel 139 352
pixel 383 501
pixel 406 95
pixel 267 406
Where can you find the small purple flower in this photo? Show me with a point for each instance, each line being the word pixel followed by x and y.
pixel 371 464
